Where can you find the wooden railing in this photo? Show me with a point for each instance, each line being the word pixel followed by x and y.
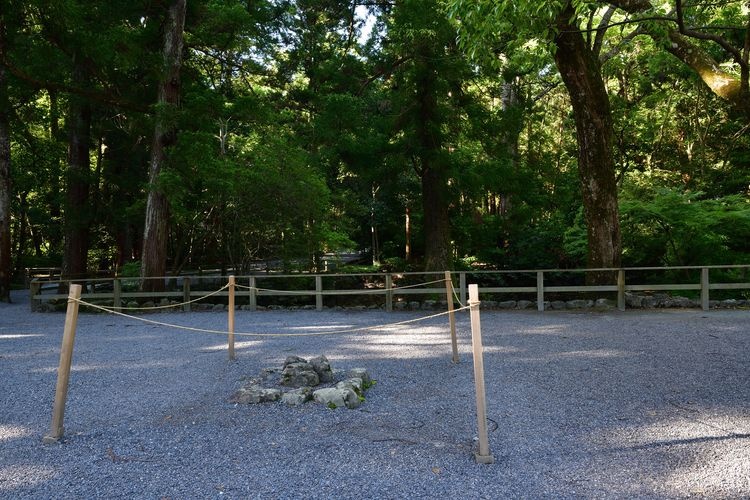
pixel 538 282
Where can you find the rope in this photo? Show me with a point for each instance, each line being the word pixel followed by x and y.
pixel 251 334
pixel 176 305
pixel 359 292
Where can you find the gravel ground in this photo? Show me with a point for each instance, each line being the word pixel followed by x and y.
pixel 581 404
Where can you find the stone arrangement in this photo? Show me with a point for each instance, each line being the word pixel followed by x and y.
pixel 300 381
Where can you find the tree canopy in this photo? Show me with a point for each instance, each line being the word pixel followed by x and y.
pixel 429 135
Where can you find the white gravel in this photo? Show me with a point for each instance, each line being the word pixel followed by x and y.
pixel 584 404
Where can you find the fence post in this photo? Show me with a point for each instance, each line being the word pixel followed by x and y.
pixel 57 429
pixel 253 294
pixel 621 289
pixel 462 287
pixel 451 314
pixel 186 294
pixel 388 292
pixel 117 294
pixel 35 288
pixel 230 318
pixel 318 293
pixel 483 457
pixel 540 290
pixel 704 288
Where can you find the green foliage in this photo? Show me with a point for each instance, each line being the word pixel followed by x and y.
pixel 667 227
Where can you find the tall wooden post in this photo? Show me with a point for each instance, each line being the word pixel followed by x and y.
pixel 57 428
pixel 621 289
pixel 451 314
pixel 253 294
pixel 186 294
pixel 230 318
pixel 462 287
pixel 35 289
pixel 540 291
pixel 483 456
pixel 388 292
pixel 117 294
pixel 318 293
pixel 704 288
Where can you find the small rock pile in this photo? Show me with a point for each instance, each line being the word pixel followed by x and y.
pixel 296 382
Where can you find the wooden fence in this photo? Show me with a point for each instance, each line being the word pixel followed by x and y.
pixel 539 283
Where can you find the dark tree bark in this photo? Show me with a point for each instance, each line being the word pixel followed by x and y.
pixel 436 221
pixel 580 70
pixel 77 178
pixel 6 269
pixel 156 227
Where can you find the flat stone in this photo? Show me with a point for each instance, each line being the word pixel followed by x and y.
pixel 299 375
pixel 414 305
pixel 218 307
pixel 578 304
pixel 729 303
pixel 508 304
pixel 604 304
pixel 164 302
pixel 293 359
pixel 148 303
pixel 633 300
pixel 558 305
pixel 297 397
pixel 399 306
pixel 354 384
pixel 683 302
pixel 488 304
pixel 334 397
pixel 360 373
pixel 253 394
pixel 648 302
pixel 524 304
pixel 429 305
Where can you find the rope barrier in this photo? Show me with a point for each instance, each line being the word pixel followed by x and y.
pixel 359 292
pixel 176 305
pixel 252 334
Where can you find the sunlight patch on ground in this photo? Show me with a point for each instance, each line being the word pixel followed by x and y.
pixel 16 476
pixel 594 353
pixel 11 336
pixel 547 330
pixel 237 345
pixel 8 432
pixel 128 365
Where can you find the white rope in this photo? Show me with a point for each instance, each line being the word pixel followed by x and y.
pixel 251 334
pixel 175 305
pixel 359 292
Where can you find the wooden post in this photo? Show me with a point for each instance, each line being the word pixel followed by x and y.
pixel 462 287
pixel 451 314
pixel 117 294
pixel 704 288
pixel 57 428
pixel 253 294
pixel 483 457
pixel 318 293
pixel 186 293
pixel 621 289
pixel 388 292
pixel 35 289
pixel 230 318
pixel 540 290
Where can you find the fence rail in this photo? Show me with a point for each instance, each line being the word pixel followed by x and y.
pixel 390 287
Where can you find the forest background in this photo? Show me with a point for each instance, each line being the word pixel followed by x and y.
pixel 154 136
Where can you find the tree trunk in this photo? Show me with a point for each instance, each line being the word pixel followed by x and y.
pixel 581 73
pixel 436 221
pixel 6 269
pixel 154 256
pixel 77 209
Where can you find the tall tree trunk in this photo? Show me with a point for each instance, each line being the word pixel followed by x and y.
pixel 6 269
pixel 156 227
pixel 77 177
pixel 436 222
pixel 581 73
